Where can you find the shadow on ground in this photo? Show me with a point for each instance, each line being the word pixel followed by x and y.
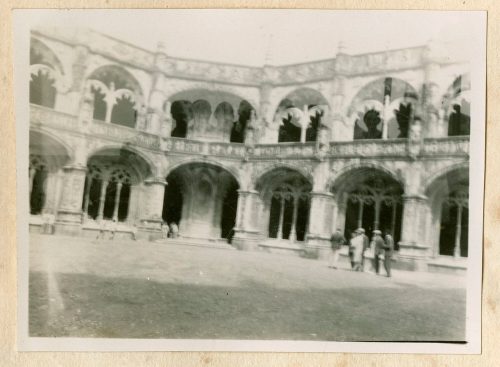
pixel 96 306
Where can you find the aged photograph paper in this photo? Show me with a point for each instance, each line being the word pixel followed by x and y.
pixel 250 180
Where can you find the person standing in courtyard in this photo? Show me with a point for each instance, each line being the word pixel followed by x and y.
pixel 366 244
pixel 378 246
pixel 174 230
pixel 164 230
pixel 351 248
pixel 357 251
pixel 337 241
pixel 388 251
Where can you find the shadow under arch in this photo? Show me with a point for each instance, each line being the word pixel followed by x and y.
pixel 201 200
pixel 448 222
pixel 48 154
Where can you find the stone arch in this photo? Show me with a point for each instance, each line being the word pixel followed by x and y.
pixel 66 150
pixel 431 178
pixel 46 75
pixel 447 222
pixel 338 178
pixel 117 74
pixel 388 98
pixel 182 92
pixel 234 172
pixel 456 103
pixel 284 203
pixel 150 169
pixel 201 198
pixel 41 54
pixel 47 156
pixel 112 181
pixel 118 95
pixel 300 113
pixel 259 175
pixel 369 197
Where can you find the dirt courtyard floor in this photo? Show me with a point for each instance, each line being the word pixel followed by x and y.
pixel 125 289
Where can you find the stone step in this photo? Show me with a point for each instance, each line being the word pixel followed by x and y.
pixel 198 242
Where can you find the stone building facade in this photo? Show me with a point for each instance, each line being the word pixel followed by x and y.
pixel 275 157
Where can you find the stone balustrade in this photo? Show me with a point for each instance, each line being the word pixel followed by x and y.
pixel 445 146
pixel 369 148
pixel 453 145
pixel 43 116
pixel 284 150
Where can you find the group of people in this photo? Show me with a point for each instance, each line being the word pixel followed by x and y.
pixel 171 231
pixel 358 244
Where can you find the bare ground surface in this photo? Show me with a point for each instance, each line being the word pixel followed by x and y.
pixel 125 289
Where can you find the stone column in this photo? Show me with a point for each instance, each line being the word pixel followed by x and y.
pixel 86 198
pixel 433 110
pixel 281 219
pixel 337 116
pixel 69 215
pixel 152 207
pixel 246 233
pixel 102 199
pixel 322 205
pixel 413 250
pixel 458 233
pixel 293 230
pixel 110 102
pixel 117 200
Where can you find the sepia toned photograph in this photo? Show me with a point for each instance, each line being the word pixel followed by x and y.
pixel 250 179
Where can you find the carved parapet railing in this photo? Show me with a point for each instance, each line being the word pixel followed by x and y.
pixel 369 148
pixel 187 146
pixel 43 116
pixel 227 149
pixel 453 145
pixel 284 150
pixel 125 135
pixel 180 145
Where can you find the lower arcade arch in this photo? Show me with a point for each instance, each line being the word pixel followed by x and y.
pixel 370 199
pixel 112 182
pixel 202 200
pixel 285 203
pixel 448 222
pixel 46 159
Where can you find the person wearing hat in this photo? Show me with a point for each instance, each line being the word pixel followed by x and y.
pixel 366 244
pixel 388 251
pixel 357 250
pixel 378 245
pixel 337 241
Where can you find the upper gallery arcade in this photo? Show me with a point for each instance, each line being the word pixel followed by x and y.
pixel 373 140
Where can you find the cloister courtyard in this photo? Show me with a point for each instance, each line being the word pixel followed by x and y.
pixel 80 287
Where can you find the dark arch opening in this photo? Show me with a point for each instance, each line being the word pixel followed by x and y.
pixel 124 112
pixel 239 126
pixel 100 105
pixel 42 90
pixel 37 198
pixel 199 194
pixel 182 113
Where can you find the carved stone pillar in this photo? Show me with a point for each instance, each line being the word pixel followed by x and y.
pixel 321 214
pixel 431 97
pixel 69 215
pixel 246 233
pixel 413 250
pixel 151 207
pixel 337 110
pixel 53 191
